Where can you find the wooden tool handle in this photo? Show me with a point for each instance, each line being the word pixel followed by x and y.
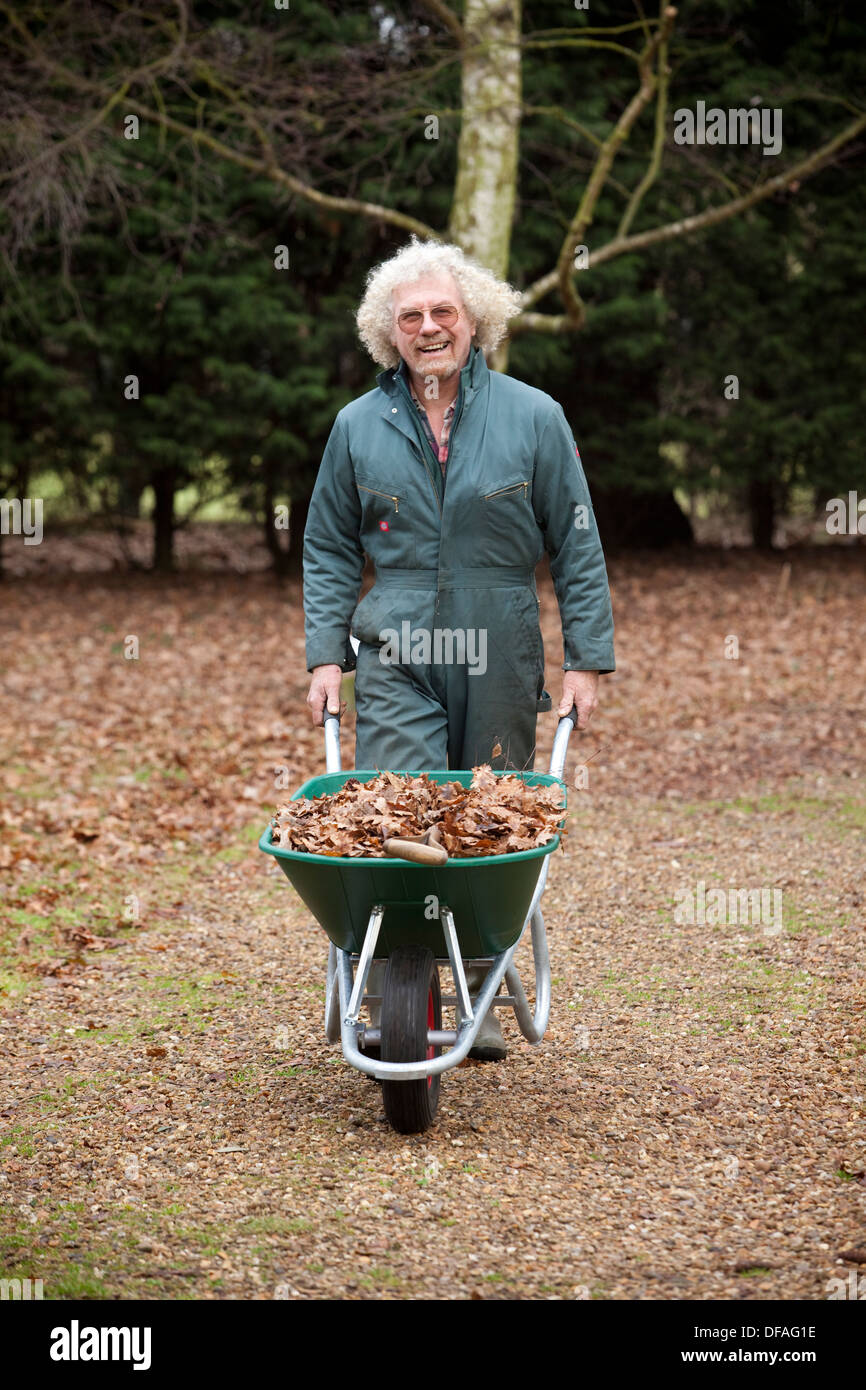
pixel 433 855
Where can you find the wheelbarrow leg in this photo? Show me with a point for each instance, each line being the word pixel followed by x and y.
pixel 461 988
pixel 332 998
pixel 533 1024
pixel 365 960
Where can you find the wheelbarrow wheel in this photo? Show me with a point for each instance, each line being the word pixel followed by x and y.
pixel 411 1003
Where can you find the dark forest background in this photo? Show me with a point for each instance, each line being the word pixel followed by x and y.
pixel 155 257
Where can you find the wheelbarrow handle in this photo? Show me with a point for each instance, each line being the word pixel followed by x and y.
pixel 432 855
pixel 333 760
pixel 560 743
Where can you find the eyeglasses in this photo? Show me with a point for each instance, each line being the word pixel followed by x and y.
pixel 444 314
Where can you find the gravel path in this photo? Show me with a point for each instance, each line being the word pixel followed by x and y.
pixel 173 1122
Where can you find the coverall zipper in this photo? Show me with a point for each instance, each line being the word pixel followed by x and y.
pixel 405 391
pixel 512 487
pixel 377 493
pixel 451 435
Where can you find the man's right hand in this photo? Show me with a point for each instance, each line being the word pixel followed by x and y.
pixel 325 690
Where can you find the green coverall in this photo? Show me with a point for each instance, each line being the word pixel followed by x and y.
pixel 454 558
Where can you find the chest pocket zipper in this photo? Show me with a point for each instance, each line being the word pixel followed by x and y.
pixel 511 488
pixel 376 493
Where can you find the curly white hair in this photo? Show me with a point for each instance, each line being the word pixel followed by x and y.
pixel 491 302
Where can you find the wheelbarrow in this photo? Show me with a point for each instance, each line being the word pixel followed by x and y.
pixel 418 918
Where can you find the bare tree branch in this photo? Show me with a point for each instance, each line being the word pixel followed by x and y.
pixel 581 43
pixel 375 211
pixel 541 323
pixel 446 17
pixel 558 114
pixel 603 29
pixel 582 219
pixel 711 217
pixel 51 151
pixel 266 165
pixel 810 165
pixel 256 103
pixel 655 163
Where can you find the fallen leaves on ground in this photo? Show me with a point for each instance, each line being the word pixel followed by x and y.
pixel 592 1166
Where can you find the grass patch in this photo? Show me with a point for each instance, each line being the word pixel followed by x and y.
pixel 13 983
pixel 842 814
pixel 19 1139
pixel 61 1277
pixel 181 1002
pixel 275 1225
pixel 797 920
pixel 380 1277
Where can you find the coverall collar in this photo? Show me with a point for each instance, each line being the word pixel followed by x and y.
pixel 472 377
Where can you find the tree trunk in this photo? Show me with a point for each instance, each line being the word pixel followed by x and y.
pixel 297 523
pixel 17 484
pixel 129 498
pixel 164 484
pixel 762 513
pixel 484 191
pixel 633 520
pixel 278 551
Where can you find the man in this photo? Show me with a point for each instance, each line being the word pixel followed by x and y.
pixel 454 479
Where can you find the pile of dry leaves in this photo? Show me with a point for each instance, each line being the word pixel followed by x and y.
pixel 494 815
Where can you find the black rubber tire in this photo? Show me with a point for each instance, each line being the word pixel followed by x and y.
pixel 411 994
pixel 376 1053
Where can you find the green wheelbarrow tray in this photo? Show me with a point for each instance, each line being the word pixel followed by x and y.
pixel 489 895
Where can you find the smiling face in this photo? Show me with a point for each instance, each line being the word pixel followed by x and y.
pixel 432 350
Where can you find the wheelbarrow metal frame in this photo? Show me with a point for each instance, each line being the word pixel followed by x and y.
pixel 345 991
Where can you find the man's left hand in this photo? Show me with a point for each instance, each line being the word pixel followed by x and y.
pixel 579 690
